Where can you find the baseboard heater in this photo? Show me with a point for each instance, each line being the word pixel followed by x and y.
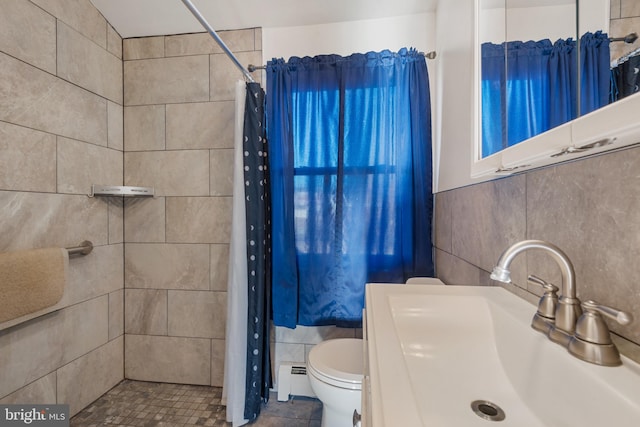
pixel 293 380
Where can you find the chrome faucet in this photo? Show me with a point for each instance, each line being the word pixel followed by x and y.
pixel 585 335
pixel 568 309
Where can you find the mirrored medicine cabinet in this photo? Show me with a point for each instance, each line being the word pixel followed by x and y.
pixel 542 95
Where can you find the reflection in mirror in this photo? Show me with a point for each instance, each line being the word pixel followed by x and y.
pixel 625 48
pixel 529 68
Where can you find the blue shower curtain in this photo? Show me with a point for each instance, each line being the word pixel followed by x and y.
pixel 536 89
pixel 350 150
pixel 258 233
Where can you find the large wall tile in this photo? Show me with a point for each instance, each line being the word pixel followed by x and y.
pixel 200 314
pixel 42 345
pixel 455 271
pixel 98 273
pixel 486 219
pixel 284 352
pixel 217 362
pixel 143 48
pixel 442 221
pixel 145 311
pixel 629 8
pixel 219 267
pixel 200 125
pixel 167 266
pixel 311 334
pixel 84 327
pixel 115 126
pixel 591 210
pixel 166 80
pixel 28 33
pixel 615 9
pixel 168 359
pixel 620 28
pixel 27 159
pixel 36 99
pixel 144 128
pixel 116 314
pixel 198 219
pixel 46 220
pixel 86 378
pixel 80 165
pixel 80 15
pixel 192 44
pixel 257 37
pixel 114 42
pixel 41 391
pixel 116 220
pixel 171 173
pixel 84 63
pixel 224 73
pixel 144 219
pixel 221 172
pixel 203 43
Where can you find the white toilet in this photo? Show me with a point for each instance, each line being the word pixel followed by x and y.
pixel 335 369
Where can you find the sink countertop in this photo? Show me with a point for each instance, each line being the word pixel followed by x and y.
pixel 523 362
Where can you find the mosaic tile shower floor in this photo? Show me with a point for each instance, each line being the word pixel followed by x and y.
pixel 140 403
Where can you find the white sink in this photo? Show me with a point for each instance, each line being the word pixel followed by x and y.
pixel 434 350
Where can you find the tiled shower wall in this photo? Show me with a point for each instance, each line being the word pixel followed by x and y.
pixel 589 208
pixel 178 126
pixel 625 19
pixel 178 129
pixel 61 130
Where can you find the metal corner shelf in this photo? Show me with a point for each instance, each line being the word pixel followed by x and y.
pixel 120 191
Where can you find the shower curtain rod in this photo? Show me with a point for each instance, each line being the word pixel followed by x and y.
pixel 629 38
pixel 252 68
pixel 217 38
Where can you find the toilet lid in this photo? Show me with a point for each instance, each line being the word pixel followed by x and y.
pixel 338 360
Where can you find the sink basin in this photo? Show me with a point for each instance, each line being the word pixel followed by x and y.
pixel 449 346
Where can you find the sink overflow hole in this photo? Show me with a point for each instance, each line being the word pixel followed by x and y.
pixel 487 410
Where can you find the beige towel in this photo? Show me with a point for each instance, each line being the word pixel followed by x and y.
pixel 31 280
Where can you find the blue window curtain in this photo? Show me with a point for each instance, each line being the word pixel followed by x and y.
pixel 536 89
pixel 528 89
pixel 350 152
pixel 493 90
pixel 595 63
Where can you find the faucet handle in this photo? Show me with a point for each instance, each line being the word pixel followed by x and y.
pixel 545 317
pixel 622 317
pixel 592 328
pixel 548 287
pixel 549 300
pixel 592 340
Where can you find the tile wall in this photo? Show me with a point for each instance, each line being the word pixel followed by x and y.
pixel 178 131
pixel 625 19
pixel 61 130
pixel 589 208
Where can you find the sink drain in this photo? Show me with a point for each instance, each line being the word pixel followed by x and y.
pixel 487 410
